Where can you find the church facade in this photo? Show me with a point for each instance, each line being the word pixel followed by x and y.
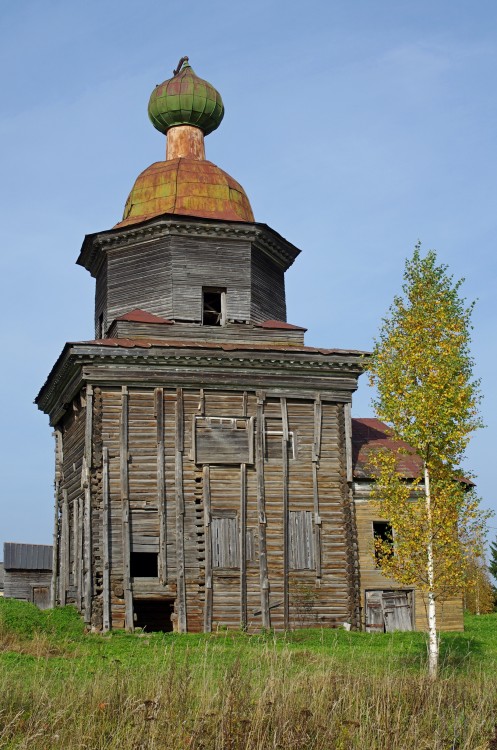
pixel 204 453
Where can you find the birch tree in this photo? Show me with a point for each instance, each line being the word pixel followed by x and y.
pixel 422 370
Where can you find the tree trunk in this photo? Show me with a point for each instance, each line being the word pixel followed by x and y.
pixel 432 617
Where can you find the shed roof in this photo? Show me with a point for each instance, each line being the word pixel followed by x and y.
pixel 18 556
pixel 369 435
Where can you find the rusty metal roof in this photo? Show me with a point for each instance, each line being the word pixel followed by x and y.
pixel 280 324
pixel 190 187
pixel 17 556
pixel 369 435
pixel 126 343
pixel 142 316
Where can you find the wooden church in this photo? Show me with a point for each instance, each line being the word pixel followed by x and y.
pixel 204 462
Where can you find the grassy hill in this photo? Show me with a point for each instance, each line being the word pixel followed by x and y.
pixel 320 689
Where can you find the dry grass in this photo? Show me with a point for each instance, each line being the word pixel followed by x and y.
pixel 231 693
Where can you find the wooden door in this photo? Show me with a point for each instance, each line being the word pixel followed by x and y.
pixel 397 610
pixel 41 596
pixel 375 622
pixel 388 611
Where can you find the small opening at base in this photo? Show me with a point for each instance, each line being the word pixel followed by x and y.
pixel 153 615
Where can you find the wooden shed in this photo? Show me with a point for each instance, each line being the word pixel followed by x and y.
pixel 386 605
pixel 28 572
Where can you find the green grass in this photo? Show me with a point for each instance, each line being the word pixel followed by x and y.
pixel 322 689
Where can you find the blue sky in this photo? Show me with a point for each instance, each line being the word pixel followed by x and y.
pixel 356 128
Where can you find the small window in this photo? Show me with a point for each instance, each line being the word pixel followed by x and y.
pixel 301 540
pixel 213 307
pixel 383 541
pixel 225 553
pixel 144 565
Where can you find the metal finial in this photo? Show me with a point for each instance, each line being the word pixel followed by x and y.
pixel 180 65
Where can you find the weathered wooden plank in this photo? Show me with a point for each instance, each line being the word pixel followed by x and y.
pixel 261 509
pixel 105 540
pixel 161 485
pixel 206 492
pixel 64 551
pixel 180 514
pixel 124 478
pixel 348 440
pixel 79 552
pixel 86 475
pixel 284 462
pixel 56 529
pixel 316 454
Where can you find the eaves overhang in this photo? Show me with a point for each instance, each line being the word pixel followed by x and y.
pixel 261 235
pixel 113 361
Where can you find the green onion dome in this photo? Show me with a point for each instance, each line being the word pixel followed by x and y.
pixel 185 99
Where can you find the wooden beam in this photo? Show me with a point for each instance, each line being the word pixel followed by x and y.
pixel 286 540
pixel 79 552
pixel 105 540
pixel 243 521
pixel 180 515
pixel 348 440
pixel 56 528
pixel 243 547
pixel 206 492
pixel 87 465
pixel 161 485
pixel 316 453
pixel 126 546
pixel 64 550
pixel 261 509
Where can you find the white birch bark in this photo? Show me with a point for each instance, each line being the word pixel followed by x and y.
pixel 432 617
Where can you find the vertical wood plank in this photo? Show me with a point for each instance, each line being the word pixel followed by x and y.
pixel 284 461
pixel 243 547
pixel 64 550
pixel 87 465
pixel 243 521
pixel 56 527
pixel 79 553
pixel 316 453
pixel 206 491
pixel 348 440
pixel 161 486
pixel 105 540
pixel 261 508
pixel 124 475
pixel 180 515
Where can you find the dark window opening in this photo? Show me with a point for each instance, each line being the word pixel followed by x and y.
pixel 383 541
pixel 213 307
pixel 144 565
pixel 100 326
pixel 153 615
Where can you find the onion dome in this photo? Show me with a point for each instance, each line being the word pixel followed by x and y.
pixel 185 99
pixel 190 187
pixel 186 108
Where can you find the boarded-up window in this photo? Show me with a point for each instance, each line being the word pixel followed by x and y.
pixel 301 540
pixel 224 531
pixel 223 440
pixel 273 440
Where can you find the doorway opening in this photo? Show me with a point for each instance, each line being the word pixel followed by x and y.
pixel 154 615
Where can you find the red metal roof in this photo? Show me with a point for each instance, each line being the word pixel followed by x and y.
pixel 369 435
pixel 141 316
pixel 280 324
